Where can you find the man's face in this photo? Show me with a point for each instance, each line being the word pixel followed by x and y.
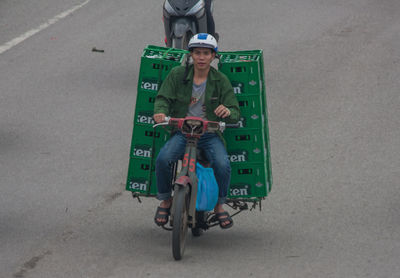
pixel 202 58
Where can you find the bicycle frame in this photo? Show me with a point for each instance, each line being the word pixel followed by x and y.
pixel 188 177
pixel 193 128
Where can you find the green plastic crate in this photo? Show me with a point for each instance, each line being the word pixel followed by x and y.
pixel 139 176
pixel 144 117
pixel 149 84
pixel 145 101
pixel 241 72
pixel 248 180
pixel 159 69
pixel 164 53
pixel 251 121
pixel 252 115
pixel 157 62
pixel 142 140
pixel 232 62
pixel 244 137
pixel 163 49
pixel 240 56
pixel 247 154
pixel 251 87
pixel 246 145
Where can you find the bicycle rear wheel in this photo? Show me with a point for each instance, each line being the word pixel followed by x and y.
pixel 180 221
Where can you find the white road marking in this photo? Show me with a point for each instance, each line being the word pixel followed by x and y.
pixel 32 32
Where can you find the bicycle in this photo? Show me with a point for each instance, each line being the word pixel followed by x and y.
pixel 183 209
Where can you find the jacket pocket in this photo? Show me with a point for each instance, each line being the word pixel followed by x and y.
pixel 214 102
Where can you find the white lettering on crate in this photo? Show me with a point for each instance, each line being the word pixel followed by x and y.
pixel 138 186
pixel 237 90
pixel 238 157
pixel 145 119
pixel 239 191
pixel 141 152
pixel 241 122
pixel 149 86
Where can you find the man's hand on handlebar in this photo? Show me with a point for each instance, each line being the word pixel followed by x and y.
pixel 159 118
pixel 222 112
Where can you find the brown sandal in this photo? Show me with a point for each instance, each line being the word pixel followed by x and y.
pixel 163 216
pixel 223 217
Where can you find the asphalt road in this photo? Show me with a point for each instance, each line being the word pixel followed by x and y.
pixel 333 79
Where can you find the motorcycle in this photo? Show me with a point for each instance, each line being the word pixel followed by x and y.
pixel 183 19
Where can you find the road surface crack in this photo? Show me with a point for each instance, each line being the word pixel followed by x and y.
pixel 30 264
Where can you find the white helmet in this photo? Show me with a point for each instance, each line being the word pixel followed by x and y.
pixel 203 40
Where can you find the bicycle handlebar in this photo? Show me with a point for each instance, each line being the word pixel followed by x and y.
pixel 237 125
pixel 196 124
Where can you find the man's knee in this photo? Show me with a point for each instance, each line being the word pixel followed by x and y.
pixel 162 160
pixel 222 163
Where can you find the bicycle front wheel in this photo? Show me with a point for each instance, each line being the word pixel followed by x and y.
pixel 180 221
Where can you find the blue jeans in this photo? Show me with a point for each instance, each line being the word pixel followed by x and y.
pixel 174 149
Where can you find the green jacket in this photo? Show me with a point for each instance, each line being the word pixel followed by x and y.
pixel 173 98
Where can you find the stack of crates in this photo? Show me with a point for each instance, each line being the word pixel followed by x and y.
pixel 156 63
pixel 248 146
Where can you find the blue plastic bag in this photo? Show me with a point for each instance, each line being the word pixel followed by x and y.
pixel 207 192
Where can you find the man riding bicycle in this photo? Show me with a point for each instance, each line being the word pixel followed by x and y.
pixel 197 90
